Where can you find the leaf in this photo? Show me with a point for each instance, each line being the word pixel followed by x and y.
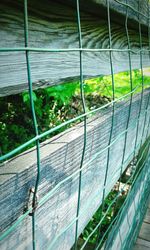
pixel 26 97
pixel 34 96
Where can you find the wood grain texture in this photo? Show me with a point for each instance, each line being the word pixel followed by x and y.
pixel 124 230
pixel 143 240
pixel 53 25
pixel 145 232
pixel 140 247
pixel 117 7
pixel 147 217
pixel 60 158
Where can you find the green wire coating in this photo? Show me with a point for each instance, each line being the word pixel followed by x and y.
pixel 114 219
pixel 85 121
pixel 147 147
pixel 113 111
pixel 33 49
pixel 49 194
pixel 148 101
pixel 41 203
pixel 141 202
pixel 34 123
pixel 78 173
pixel 48 132
pixel 133 178
pixel 129 6
pixel 122 211
pixel 141 65
pixel 131 88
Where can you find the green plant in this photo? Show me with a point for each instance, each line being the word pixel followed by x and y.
pixel 56 104
pixel 97 217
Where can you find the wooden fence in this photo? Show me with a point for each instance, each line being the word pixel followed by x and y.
pixel 60 159
pixel 52 26
pixel 127 227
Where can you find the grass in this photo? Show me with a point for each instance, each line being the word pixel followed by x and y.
pixel 56 104
pixel 122 83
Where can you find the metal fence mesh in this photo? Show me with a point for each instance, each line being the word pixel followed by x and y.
pixel 27 49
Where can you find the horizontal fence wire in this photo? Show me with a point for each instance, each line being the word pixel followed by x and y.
pixel 78 173
pixel 132 178
pixel 142 202
pixel 113 111
pixel 133 9
pixel 131 97
pixel 49 194
pixel 48 132
pixel 75 174
pixel 15 49
pixel 148 102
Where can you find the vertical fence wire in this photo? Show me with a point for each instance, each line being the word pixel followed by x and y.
pixel 130 105
pixel 141 203
pixel 131 97
pixel 130 197
pixel 35 124
pixel 142 76
pixel 85 119
pixel 34 119
pixel 113 112
pixel 148 101
pixel 143 210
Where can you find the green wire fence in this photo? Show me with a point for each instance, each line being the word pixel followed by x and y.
pixel 136 178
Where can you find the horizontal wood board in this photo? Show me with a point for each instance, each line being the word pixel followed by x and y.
pixel 117 7
pixel 124 230
pixel 142 243
pixel 53 25
pixel 145 231
pixel 60 157
pixel 147 217
pixel 143 240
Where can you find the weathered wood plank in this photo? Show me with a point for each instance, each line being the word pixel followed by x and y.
pixel 143 242
pixel 140 247
pixel 60 158
pixel 145 231
pixel 117 7
pixel 125 229
pixel 53 25
pixel 147 217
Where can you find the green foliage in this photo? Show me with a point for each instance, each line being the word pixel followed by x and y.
pixel 26 97
pixel 53 106
pixel 62 93
pixel 57 104
pixel 97 217
pixel 103 84
pixel 111 209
